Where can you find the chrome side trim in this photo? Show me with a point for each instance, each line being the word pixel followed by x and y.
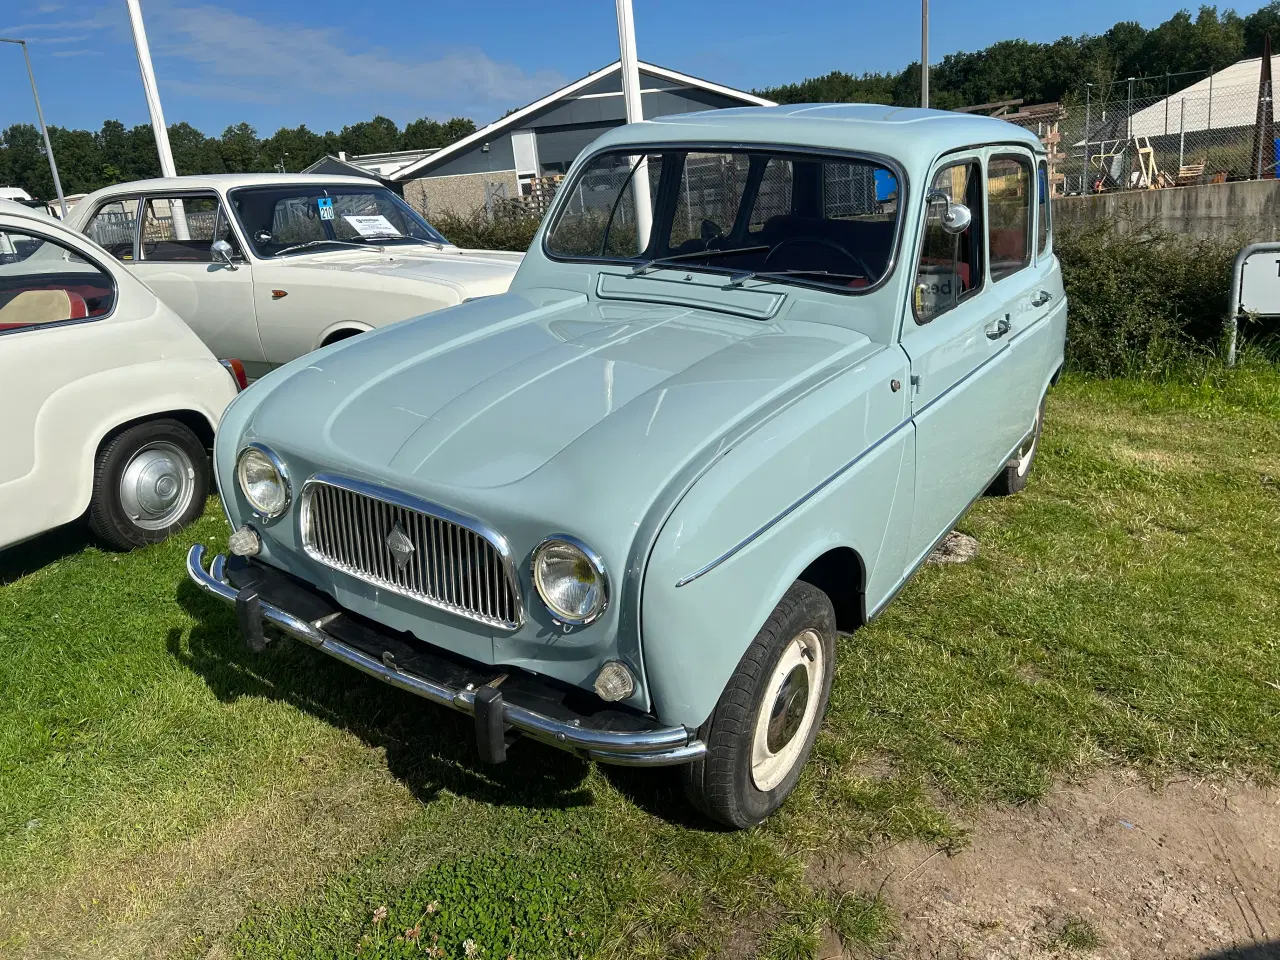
pixel 448 550
pixel 657 747
pixel 792 508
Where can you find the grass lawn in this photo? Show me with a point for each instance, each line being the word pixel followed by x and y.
pixel 164 792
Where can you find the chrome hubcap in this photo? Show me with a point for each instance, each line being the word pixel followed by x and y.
pixel 1028 449
pixel 157 485
pixel 788 710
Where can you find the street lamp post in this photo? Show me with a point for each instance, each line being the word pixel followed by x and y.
pixel 48 147
pixel 924 54
pixel 629 67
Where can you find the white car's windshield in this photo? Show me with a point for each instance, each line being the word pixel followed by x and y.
pixel 289 218
pixel 753 213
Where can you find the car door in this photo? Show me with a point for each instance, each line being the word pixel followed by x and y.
pixel 50 298
pixel 215 298
pixel 955 334
pixel 1025 281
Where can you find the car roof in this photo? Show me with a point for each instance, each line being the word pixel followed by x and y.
pixel 11 208
pixel 223 181
pixel 865 127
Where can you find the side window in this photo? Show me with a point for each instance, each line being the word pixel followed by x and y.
pixel 182 229
pixel 950 267
pixel 1044 225
pixel 1009 199
pixel 113 227
pixel 44 282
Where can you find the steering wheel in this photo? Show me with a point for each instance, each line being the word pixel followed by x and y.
pixel 823 242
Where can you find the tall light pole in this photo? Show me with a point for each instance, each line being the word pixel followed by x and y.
pixel 167 169
pixel 48 147
pixel 924 54
pixel 635 113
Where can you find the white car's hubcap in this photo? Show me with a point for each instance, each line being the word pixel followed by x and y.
pixel 157 485
pixel 787 711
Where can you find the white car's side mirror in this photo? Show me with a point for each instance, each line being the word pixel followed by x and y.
pixel 956 217
pixel 222 251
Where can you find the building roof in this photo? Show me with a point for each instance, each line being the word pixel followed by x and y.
pixel 1228 98
pixel 485 134
pixel 375 164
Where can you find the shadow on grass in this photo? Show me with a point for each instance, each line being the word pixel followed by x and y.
pixel 428 748
pixel 38 552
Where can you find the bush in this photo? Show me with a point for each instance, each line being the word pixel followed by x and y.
pixel 477 231
pixel 1142 305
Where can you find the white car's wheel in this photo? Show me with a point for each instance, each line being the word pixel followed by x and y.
pixel 149 481
pixel 763 728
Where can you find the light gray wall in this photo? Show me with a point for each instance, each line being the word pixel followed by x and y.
pixel 1246 210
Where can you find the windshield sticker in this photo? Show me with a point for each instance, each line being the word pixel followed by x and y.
pixel 376 226
pixel 326 207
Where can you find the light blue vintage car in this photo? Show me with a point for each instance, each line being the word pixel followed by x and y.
pixel 755 365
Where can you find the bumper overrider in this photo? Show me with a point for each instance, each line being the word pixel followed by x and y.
pixel 503 701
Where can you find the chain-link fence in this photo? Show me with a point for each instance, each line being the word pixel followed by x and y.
pixel 1205 133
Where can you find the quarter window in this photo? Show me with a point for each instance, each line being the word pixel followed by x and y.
pixel 43 282
pixel 113 227
pixel 950 267
pixel 1009 199
pixel 1043 225
pixel 182 229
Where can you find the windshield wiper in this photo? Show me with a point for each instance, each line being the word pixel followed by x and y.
pixel 656 262
pixel 757 274
pixel 316 243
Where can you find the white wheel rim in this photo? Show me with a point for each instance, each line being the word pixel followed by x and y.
pixel 788 710
pixel 1028 452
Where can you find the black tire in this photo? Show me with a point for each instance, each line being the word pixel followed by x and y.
pixel 1013 478
pixel 110 519
pixel 723 783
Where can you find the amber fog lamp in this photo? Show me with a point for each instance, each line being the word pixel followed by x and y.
pixel 569 577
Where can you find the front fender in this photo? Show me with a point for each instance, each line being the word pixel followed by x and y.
pixel 834 471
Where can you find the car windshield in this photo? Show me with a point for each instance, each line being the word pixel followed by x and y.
pixel 281 219
pixel 760 215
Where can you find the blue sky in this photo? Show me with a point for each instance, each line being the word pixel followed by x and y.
pixel 326 63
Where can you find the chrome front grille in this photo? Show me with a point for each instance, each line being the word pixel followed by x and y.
pixel 411 547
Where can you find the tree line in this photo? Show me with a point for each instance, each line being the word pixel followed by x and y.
pixel 1163 59
pixel 88 160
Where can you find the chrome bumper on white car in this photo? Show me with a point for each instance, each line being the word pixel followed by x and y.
pixel 491 697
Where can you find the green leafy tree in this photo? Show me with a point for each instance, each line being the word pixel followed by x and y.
pixel 425 133
pixel 378 135
pixel 240 149
pixel 294 147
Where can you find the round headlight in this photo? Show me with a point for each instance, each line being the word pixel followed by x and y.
pixel 570 578
pixel 263 480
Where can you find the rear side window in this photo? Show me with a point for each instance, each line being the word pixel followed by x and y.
pixel 1043 223
pixel 43 282
pixel 183 229
pixel 1009 199
pixel 114 226
pixel 950 267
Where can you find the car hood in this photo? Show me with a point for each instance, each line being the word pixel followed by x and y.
pixel 487 393
pixel 475 272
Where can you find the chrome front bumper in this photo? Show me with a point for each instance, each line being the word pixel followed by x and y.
pixel 653 746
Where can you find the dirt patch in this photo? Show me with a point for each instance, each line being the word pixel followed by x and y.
pixel 1110 869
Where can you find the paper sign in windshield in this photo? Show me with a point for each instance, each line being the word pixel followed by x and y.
pixel 378 226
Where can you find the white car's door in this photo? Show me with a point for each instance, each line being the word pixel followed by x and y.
pixel 50 297
pixel 173 255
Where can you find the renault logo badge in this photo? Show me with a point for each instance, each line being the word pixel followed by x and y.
pixel 400 545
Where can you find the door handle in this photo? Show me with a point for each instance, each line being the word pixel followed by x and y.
pixel 999 328
pixel 1043 297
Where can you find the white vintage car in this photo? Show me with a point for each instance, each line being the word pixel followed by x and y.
pixel 110 401
pixel 267 267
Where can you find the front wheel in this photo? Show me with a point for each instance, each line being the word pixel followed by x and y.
pixel 763 728
pixel 149 481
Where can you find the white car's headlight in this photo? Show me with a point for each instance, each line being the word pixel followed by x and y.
pixel 263 480
pixel 570 579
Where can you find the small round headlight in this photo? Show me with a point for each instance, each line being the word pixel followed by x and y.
pixel 263 480
pixel 570 578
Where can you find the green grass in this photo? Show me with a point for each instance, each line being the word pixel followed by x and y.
pixel 164 792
